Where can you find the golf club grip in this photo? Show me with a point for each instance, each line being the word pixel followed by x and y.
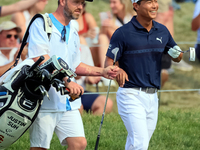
pixel 65 90
pixel 97 142
pixel 36 63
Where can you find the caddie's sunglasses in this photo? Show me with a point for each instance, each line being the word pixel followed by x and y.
pixel 10 35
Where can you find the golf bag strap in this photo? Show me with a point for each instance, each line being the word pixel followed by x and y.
pixel 47 29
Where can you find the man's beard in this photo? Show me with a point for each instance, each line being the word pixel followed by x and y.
pixel 69 14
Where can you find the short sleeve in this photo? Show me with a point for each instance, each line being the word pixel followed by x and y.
pixel 196 9
pixel 117 41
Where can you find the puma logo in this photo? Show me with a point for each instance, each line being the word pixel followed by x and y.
pixel 159 39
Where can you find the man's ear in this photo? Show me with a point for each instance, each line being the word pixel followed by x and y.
pixel 62 2
pixel 136 6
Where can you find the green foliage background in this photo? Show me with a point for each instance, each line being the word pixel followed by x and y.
pixel 178 121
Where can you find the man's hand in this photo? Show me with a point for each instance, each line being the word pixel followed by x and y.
pixel 24 52
pixel 121 77
pixel 75 89
pixel 91 33
pixel 110 72
pixel 175 51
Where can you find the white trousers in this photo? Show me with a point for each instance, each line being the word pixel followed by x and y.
pixel 139 112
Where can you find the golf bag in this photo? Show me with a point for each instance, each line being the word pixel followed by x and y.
pixel 22 92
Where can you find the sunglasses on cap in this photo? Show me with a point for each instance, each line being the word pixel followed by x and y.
pixel 10 35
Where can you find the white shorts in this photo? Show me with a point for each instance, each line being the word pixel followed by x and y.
pixel 139 112
pixel 64 124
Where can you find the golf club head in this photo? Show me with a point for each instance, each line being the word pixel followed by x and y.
pixel 115 51
pixel 192 54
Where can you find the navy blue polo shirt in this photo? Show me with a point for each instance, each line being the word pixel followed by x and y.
pixel 140 52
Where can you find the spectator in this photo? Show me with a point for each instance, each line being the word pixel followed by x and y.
pixel 89 35
pixel 8 45
pixel 15 7
pixel 98 43
pixel 93 102
pixel 196 26
pixel 22 18
pixel 121 13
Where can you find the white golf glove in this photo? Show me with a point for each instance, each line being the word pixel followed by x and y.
pixel 175 51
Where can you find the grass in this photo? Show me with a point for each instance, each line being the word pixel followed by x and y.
pixel 178 121
pixel 177 129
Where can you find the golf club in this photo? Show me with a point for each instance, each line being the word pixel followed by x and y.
pixel 114 51
pixel 192 53
pixel 179 50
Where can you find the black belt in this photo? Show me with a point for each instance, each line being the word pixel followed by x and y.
pixel 147 89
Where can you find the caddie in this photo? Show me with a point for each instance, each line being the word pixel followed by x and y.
pixel 58 114
pixel 141 43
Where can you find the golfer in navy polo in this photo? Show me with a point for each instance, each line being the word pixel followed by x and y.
pixel 141 43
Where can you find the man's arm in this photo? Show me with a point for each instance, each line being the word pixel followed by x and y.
pixel 19 19
pixel 109 72
pixel 121 75
pixel 91 24
pixel 18 6
pixel 4 68
pixel 196 23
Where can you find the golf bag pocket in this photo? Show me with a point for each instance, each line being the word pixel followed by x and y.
pixel 13 125
pixel 16 115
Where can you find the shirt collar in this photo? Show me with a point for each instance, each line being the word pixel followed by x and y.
pixel 139 26
pixel 57 24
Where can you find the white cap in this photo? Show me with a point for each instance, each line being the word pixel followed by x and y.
pixel 135 1
pixel 8 25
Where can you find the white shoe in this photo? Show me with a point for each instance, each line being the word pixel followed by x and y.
pixel 182 65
